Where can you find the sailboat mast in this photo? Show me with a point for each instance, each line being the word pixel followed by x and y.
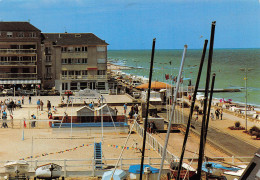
pixel 147 108
pixel 192 107
pixel 201 151
pixel 172 113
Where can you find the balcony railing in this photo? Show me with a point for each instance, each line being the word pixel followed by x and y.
pixel 32 63
pixel 84 77
pixel 17 76
pixel 18 51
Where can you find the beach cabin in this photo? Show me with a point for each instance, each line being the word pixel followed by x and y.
pixel 108 111
pixel 85 111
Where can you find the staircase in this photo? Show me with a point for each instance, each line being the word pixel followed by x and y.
pixel 98 155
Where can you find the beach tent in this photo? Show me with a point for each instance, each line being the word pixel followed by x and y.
pixel 154 85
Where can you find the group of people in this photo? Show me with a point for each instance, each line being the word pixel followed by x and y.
pixel 218 114
pixel 151 127
pixel 133 111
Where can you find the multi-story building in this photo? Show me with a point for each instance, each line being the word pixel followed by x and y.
pixel 20 53
pixel 73 61
pixel 66 61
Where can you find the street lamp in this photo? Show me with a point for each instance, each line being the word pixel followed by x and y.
pixel 246 70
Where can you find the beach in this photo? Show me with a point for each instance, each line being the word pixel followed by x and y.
pixel 45 144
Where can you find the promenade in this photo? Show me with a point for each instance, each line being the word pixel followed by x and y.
pixel 232 142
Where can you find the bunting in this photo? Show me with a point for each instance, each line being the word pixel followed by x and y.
pixel 59 152
pixel 127 148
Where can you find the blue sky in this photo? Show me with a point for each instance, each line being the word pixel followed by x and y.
pixel 132 24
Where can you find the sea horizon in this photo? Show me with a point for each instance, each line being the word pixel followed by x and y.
pixel 227 64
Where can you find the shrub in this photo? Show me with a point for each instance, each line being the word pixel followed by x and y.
pixel 237 124
pixel 254 129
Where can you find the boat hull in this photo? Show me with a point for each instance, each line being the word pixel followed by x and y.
pixel 48 171
pixel 14 168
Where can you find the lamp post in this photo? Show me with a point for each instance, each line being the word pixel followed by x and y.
pixel 246 70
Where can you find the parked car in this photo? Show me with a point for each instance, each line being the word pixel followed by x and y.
pixel 54 93
pixel 23 92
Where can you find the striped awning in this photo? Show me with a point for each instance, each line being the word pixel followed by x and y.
pixel 20 81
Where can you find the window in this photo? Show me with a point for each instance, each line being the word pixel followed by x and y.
pixel 101 61
pixel 77 49
pixel 84 49
pixel 64 61
pixel 84 60
pixel 48 71
pixel 32 34
pixel 70 49
pixel 63 49
pixel 69 61
pixel 9 34
pixel 77 61
pixel 48 50
pixel 101 72
pixel 84 72
pixel 77 73
pixel 20 34
pixel 101 48
pixel 64 73
pixel 71 73
pixel 48 58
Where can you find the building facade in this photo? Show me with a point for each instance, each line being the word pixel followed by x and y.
pixel 66 61
pixel 74 61
pixel 20 54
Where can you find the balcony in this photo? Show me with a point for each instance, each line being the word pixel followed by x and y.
pixel 18 76
pixel 84 77
pixel 18 63
pixel 18 51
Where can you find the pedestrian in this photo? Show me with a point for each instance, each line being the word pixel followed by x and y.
pixel 54 109
pixel 30 99
pixel 136 109
pixel 49 105
pixel 189 97
pixel 125 108
pixel 212 116
pixel 33 122
pixel 41 104
pixel 217 114
pixel 38 104
pixel 22 100
pixel 4 117
pixel 10 108
pixel 116 111
pixel 221 114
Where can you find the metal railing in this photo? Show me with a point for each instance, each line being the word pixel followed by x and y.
pixel 18 51
pixel 85 77
pixel 18 76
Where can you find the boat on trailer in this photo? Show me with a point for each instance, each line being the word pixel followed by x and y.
pixel 16 168
pixel 48 171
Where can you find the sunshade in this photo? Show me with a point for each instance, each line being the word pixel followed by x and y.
pixel 154 85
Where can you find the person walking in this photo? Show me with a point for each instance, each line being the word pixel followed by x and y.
pixel 33 122
pixel 41 104
pixel 4 117
pixel 125 108
pixel 38 104
pixel 221 114
pixel 217 114
pixel 49 105
pixel 22 100
pixel 116 111
pixel 30 99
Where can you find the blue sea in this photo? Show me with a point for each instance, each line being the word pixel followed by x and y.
pixel 228 64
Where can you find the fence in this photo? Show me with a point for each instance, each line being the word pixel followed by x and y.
pixel 155 144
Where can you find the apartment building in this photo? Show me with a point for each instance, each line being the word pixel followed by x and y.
pixel 20 53
pixel 74 61
pixel 66 61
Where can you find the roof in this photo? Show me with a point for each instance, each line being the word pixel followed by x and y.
pixel 17 26
pixel 73 39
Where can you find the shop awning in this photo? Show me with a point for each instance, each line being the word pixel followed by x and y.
pixel 20 81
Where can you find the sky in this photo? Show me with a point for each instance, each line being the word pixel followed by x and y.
pixel 132 24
